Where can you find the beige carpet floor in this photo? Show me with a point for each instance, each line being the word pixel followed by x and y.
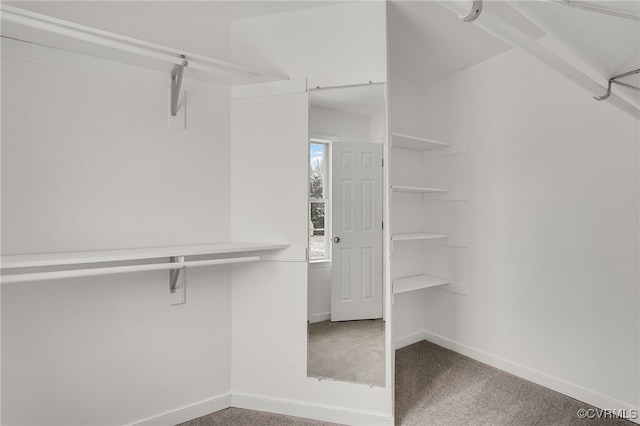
pixel 349 351
pixel 435 386
pixel 240 417
pixel 438 387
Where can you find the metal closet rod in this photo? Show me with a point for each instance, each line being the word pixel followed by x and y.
pixel 505 32
pixel 122 43
pixel 91 272
pixel 599 9
pixel 613 80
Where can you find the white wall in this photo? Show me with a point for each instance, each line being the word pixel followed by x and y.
pixel 319 296
pixel 270 299
pixel 88 162
pixel 551 227
pixel 330 46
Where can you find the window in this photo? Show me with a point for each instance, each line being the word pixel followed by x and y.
pixel 319 210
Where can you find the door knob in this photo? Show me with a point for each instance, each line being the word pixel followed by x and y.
pixel 336 240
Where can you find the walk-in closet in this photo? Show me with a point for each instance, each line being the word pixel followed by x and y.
pixel 320 212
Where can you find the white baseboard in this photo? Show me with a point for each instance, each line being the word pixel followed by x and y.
pixel 316 412
pixel 554 383
pixel 187 413
pixel 323 316
pixel 410 339
pixel 271 405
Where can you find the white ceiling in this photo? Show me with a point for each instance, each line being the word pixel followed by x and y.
pixel 240 9
pixel 609 45
pixel 427 41
pixel 228 10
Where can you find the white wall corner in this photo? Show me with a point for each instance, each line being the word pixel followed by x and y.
pixel 410 339
pixel 322 316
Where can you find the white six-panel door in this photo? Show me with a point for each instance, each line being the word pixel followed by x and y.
pixel 356 277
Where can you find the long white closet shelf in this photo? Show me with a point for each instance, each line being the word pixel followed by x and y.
pixel 24 25
pixel 417 236
pixel 402 188
pixel 417 143
pixel 402 285
pixel 74 258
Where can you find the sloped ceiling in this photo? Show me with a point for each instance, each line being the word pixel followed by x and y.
pixel 610 45
pixel 427 41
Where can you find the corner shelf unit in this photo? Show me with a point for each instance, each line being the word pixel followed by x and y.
pixel 405 284
pixel 417 282
pixel 400 140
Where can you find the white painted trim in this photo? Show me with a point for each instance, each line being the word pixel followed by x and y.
pixel 322 316
pixel 187 413
pixel 554 383
pixel 317 412
pixel 410 339
pixel 275 88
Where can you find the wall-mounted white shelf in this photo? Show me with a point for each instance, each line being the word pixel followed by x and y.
pixel 423 190
pixel 175 256
pixel 418 236
pixel 101 256
pixel 400 140
pixel 32 27
pixel 402 285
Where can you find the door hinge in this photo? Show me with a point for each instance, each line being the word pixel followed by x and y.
pixel 382 225
pixel 383 162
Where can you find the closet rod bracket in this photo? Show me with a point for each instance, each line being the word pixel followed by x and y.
pixel 613 80
pixel 474 13
pixel 176 83
pixel 177 282
pixel 174 274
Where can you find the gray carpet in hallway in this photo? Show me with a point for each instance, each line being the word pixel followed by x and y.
pixel 435 386
pixel 349 351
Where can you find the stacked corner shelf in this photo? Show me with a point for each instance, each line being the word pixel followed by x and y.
pixel 416 282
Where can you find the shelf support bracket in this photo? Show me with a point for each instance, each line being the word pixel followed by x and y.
pixel 474 13
pixel 176 83
pixel 613 80
pixel 177 282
